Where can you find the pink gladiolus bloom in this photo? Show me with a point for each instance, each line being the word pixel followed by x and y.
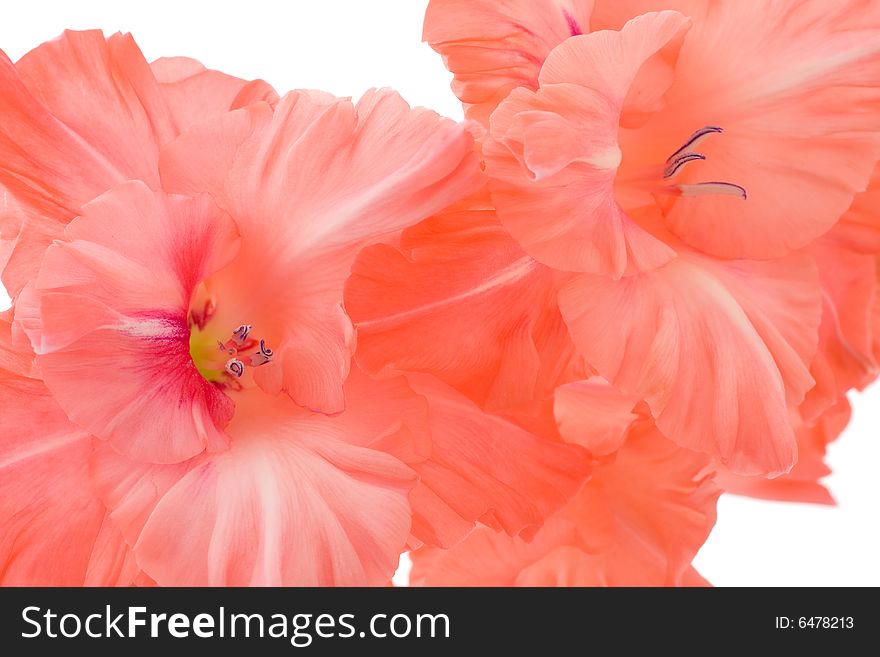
pixel 190 324
pixel 616 153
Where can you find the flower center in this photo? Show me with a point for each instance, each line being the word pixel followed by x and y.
pixel 223 359
pixel 685 155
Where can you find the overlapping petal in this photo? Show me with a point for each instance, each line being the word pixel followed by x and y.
pixel 638 522
pixel 195 94
pixel 82 114
pixel 245 511
pixel 486 468
pixel 803 483
pixel 844 359
pixel 283 505
pixel 458 298
pixel 494 46
pixel 718 350
pixel 55 528
pixel 593 414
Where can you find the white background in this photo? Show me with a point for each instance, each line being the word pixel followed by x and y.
pixel 348 46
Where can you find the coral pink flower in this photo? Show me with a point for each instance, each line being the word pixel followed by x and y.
pixel 593 168
pixel 211 282
pixel 94 114
pixel 272 341
pixel 207 325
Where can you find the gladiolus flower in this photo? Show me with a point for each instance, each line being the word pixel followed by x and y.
pixel 619 155
pixel 200 309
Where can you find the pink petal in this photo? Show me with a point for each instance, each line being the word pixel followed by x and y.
pixel 472 465
pixel 703 342
pixel 593 414
pixel 484 467
pixel 12 359
pixel 803 483
pixel 638 522
pixel 389 413
pixel 844 359
pixel 459 274
pixel 493 46
pixel 79 115
pixel 285 505
pixel 859 229
pixel 120 121
pixel 55 530
pixel 83 113
pixel 610 62
pixel 195 94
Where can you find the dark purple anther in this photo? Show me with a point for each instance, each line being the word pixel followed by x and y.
pixel 694 138
pixel 675 165
pixel 235 367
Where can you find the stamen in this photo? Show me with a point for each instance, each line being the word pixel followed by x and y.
pixel 236 354
pixel 235 367
pixel 263 356
pixel 677 164
pixel 707 188
pixel 695 139
pixel 240 335
pixel 683 155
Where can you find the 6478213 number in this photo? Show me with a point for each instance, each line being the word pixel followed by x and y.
pixel 826 622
